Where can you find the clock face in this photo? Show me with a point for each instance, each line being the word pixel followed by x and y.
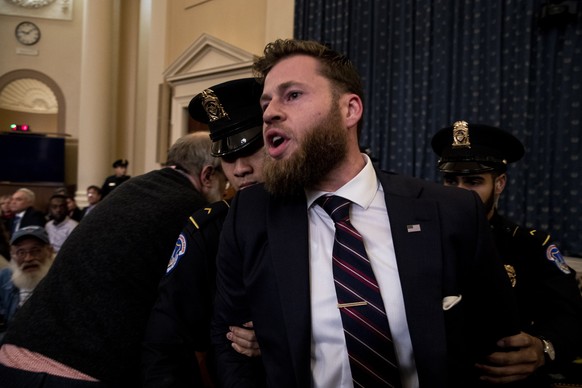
pixel 27 33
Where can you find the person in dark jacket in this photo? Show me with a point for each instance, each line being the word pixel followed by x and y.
pixel 113 181
pixel 22 206
pixel 177 351
pixel 475 157
pixel 93 198
pixel 447 298
pixel 6 212
pixel 85 322
pixel 74 212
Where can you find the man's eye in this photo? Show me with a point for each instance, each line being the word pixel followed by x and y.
pixel 294 95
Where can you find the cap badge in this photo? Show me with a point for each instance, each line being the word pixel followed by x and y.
pixel 511 274
pixel 461 134
pixel 212 106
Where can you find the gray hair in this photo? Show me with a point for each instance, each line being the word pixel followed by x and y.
pixel 192 152
pixel 29 193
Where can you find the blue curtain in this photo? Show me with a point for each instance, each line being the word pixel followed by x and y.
pixel 426 64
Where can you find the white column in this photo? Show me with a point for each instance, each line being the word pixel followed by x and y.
pixel 153 29
pixel 97 97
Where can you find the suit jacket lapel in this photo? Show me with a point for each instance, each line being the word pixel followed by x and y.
pixel 288 241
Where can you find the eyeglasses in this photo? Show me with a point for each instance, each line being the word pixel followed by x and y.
pixel 22 253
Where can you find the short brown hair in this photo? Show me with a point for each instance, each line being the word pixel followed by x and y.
pixel 334 66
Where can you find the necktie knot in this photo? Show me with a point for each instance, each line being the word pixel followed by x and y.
pixel 338 208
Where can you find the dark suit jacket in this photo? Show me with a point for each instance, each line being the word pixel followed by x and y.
pixel 32 217
pixel 263 276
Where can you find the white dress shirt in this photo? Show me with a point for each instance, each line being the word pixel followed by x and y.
pixel 60 232
pixel 329 358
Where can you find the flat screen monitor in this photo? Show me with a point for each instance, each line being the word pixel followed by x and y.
pixel 31 158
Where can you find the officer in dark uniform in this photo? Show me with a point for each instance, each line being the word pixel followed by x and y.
pixel 112 181
pixel 177 341
pixel 475 157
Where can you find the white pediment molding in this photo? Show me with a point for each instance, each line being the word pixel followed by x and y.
pixel 207 55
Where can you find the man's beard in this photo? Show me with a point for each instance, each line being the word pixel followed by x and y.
pixel 323 147
pixel 490 201
pixel 29 280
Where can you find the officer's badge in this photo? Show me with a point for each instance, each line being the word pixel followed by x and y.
pixel 554 254
pixel 511 274
pixel 212 106
pixel 461 134
pixel 179 251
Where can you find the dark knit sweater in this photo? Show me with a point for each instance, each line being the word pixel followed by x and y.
pixel 91 310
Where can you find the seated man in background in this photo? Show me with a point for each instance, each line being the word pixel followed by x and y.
pixel 93 198
pixel 177 350
pixel 32 257
pixel 73 210
pixel 5 211
pixel 5 225
pixel 475 157
pixel 85 322
pixel 22 206
pixel 60 226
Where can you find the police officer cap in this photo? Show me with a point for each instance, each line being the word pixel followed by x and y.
pixel 233 114
pixel 30 231
pixel 475 148
pixel 120 163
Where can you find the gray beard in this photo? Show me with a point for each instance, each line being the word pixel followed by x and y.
pixel 29 281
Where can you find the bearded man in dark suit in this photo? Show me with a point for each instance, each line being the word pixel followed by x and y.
pixel 445 296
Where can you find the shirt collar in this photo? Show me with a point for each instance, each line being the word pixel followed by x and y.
pixel 358 189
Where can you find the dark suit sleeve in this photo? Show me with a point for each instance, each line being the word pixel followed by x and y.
pixel 231 308
pixel 494 305
pixel 488 309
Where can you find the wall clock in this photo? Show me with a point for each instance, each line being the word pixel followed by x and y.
pixel 27 33
pixel 32 3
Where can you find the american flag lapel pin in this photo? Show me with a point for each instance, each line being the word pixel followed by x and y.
pixel 413 228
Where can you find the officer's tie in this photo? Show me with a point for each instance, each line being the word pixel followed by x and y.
pixel 369 342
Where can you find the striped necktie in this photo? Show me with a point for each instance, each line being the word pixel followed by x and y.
pixel 369 342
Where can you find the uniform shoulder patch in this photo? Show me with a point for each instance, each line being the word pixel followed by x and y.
pixel 179 251
pixel 554 255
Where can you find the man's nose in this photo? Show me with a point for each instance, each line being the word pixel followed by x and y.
pixel 272 112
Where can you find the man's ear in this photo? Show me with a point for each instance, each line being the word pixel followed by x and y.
pixel 500 182
pixel 355 109
pixel 206 176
